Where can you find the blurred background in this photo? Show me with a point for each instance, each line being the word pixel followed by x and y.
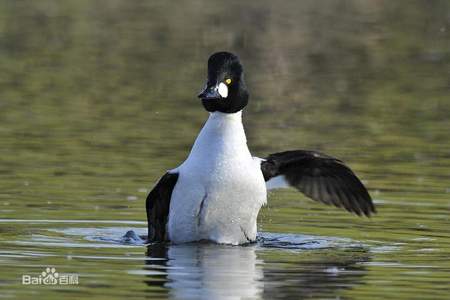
pixel 98 99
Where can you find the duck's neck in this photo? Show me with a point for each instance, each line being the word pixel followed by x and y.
pixel 222 132
pixel 223 125
pixel 219 117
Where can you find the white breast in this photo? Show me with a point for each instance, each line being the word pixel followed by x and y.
pixel 220 187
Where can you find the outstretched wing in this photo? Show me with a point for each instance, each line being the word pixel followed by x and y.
pixel 157 205
pixel 318 176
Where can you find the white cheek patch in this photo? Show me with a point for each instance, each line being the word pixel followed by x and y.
pixel 223 90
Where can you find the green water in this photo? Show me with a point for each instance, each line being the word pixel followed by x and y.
pixel 98 99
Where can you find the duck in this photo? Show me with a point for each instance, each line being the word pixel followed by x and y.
pixel 215 195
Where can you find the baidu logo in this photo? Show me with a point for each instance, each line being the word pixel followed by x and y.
pixel 50 277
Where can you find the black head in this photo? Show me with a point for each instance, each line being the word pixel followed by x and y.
pixel 225 90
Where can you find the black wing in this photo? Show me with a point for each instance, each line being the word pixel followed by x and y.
pixel 320 177
pixel 157 205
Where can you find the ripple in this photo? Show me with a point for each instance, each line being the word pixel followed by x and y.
pixel 303 242
pixel 286 241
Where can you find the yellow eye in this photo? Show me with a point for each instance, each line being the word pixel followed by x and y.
pixel 228 81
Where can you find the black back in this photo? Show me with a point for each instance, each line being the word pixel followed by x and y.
pixel 158 205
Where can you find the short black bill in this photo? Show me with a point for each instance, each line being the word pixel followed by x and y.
pixel 210 93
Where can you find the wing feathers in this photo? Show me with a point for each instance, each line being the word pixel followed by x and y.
pixel 320 177
pixel 157 205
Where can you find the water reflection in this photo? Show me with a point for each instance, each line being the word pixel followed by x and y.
pixel 209 271
pixel 206 271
